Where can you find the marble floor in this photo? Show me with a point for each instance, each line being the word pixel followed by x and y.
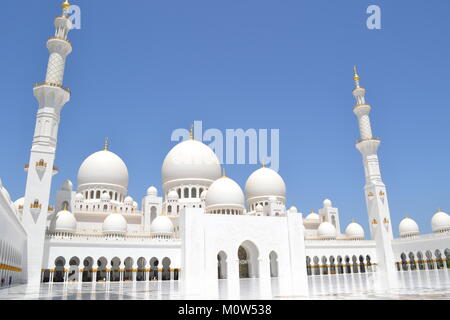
pixel 432 284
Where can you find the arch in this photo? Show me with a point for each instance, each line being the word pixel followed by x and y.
pixel 141 274
pixel 248 260
pixel 60 263
pixel 324 265
pixel 115 269
pixel 101 269
pixel 152 213
pixel 439 262
pixel 332 265
pixel 362 266
pixel 308 266
pixel 420 261
pixel 340 266
pixel 179 193
pixel 429 256
pixel 447 257
pixel 193 193
pixel 97 194
pixel 186 193
pixel 222 272
pixel 154 262
pixel 88 262
pixel 165 275
pixel 355 264
pixel 347 265
pixel 169 209
pixel 273 264
pixel 74 262
pixel 128 270
pixel 412 261
pixel 316 266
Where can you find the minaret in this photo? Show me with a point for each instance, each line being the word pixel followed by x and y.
pixel 51 97
pixel 375 190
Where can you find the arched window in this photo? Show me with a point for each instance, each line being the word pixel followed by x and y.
pixel 97 196
pixel 92 194
pixel 193 193
pixel 86 195
pixel 169 209
pixel 179 193
pixel 186 192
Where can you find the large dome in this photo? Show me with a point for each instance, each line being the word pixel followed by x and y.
pixel 224 192
pixel 265 182
pixel 103 167
pixel 65 222
pixel 408 227
pixel 326 231
pixel 115 224
pixel 162 226
pixel 440 222
pixel 190 160
pixel 354 231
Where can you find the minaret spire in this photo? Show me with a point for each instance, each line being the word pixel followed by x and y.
pixel 375 190
pixel 106 144
pixel 51 97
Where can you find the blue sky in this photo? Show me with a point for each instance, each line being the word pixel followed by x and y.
pixel 141 69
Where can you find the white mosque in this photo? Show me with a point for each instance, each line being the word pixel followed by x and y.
pixel 200 226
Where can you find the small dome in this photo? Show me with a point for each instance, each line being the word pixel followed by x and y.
pixel 173 195
pixel 293 209
pixel 162 226
pixel 440 222
pixel 152 191
pixel 65 222
pixel 224 192
pixel 128 200
pixel 67 185
pixel 265 182
pixel 408 227
pixel 327 203
pixel 79 197
pixel 115 223
pixel 135 204
pixel 326 231
pixel 103 167
pixel 354 231
pixel 105 196
pixel 203 195
pixel 313 217
pixel 19 203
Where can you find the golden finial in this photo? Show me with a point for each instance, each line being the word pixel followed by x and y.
pixel 65 206
pixel 191 132
pixel 263 164
pixel 66 4
pixel 355 74
pixel 106 144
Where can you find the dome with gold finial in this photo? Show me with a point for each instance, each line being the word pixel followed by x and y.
pixel 66 4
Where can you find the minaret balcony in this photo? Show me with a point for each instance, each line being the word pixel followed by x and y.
pixel 52 95
pixel 35 208
pixel 51 209
pixel 41 166
pixel 59 45
pixel 50 84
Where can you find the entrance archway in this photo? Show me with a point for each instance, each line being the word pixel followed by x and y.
pixel 101 270
pixel 87 269
pixel 74 262
pixel 248 260
pixel 115 269
pixel 60 262
pixel 165 275
pixel 154 268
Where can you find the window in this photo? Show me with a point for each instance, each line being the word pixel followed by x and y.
pixel 194 193
pixel 186 192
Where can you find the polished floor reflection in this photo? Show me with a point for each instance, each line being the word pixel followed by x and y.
pixel 432 284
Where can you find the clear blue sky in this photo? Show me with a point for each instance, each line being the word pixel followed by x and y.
pixel 140 69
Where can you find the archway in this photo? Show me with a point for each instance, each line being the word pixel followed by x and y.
pixel 87 269
pixel 273 264
pixel 74 262
pixel 58 276
pixel 368 263
pixel 101 269
pixel 412 261
pixel 308 266
pixel 404 262
pixel 154 268
pixel 165 275
pixel 140 276
pixel 362 267
pixel 115 269
pixel 222 265
pixel 128 271
pixel 439 262
pixel 348 269
pixel 447 257
pixel 332 265
pixel 340 266
pixel 316 266
pixel 324 265
pixel 429 256
pixel 248 260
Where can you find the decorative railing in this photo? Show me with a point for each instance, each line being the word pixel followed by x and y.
pixel 55 236
pixel 60 38
pixel 51 84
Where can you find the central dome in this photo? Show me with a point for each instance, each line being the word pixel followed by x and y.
pixel 190 160
pixel 103 167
